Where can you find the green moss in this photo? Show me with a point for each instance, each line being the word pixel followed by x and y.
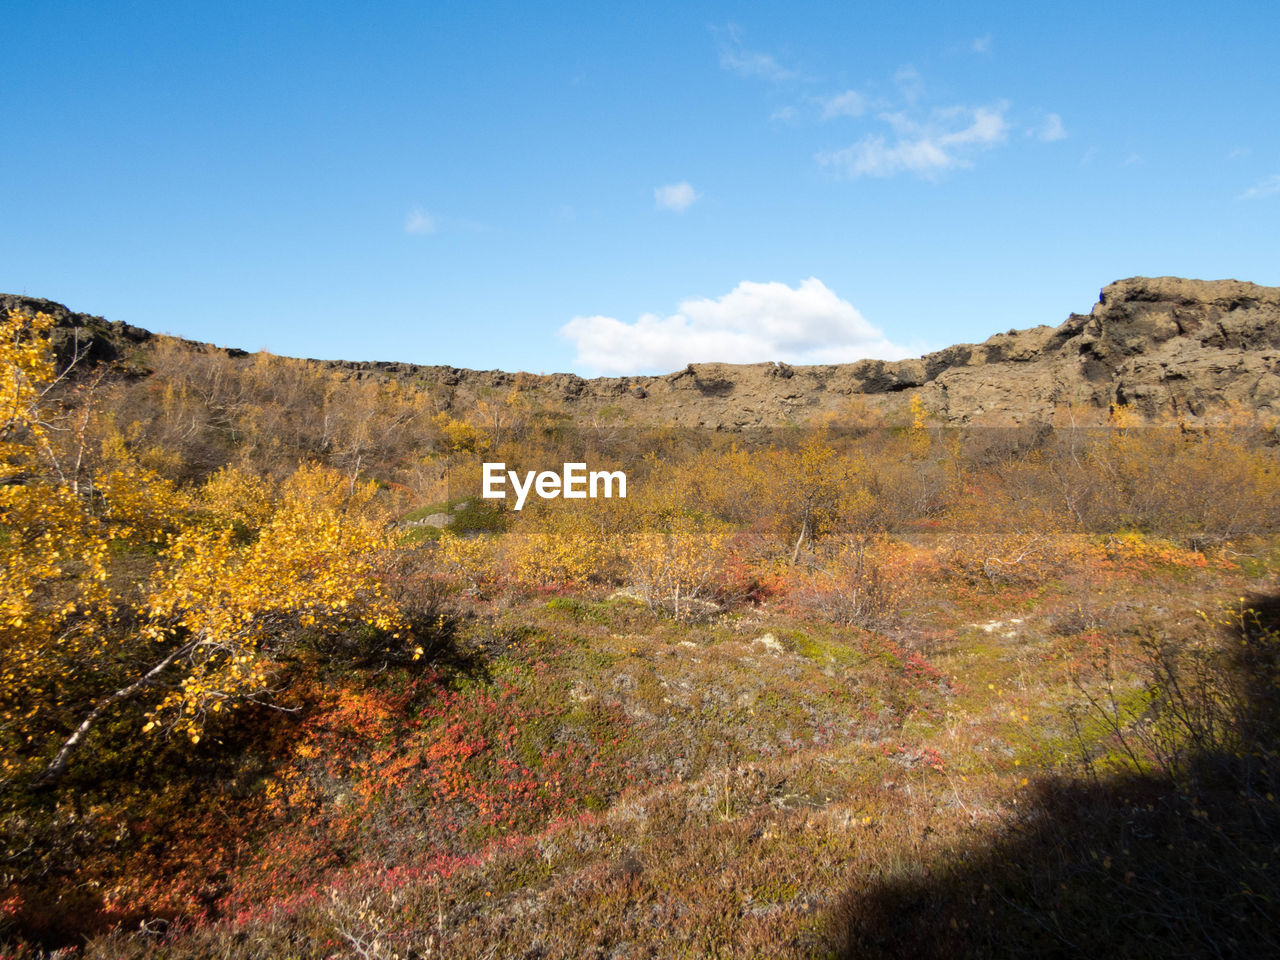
pixel 1262 564
pixel 823 650
pixel 582 611
pixel 775 891
pixel 470 515
pixel 419 535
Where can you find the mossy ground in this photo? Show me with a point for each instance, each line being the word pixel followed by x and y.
pixel 469 516
pixel 583 777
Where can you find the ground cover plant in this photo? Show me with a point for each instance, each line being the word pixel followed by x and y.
pixel 846 689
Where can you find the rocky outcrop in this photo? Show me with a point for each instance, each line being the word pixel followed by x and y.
pixel 82 335
pixel 1166 346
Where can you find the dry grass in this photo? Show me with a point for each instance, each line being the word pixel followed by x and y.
pixel 761 784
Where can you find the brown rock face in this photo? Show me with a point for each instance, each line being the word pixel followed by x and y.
pixel 92 338
pixel 1166 346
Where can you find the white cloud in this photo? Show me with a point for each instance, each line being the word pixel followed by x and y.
pixel 1051 129
pixel 981 44
pixel 848 104
pixel 748 63
pixel 1269 187
pixel 675 196
pixel 419 222
pixel 754 322
pixel 910 83
pixel 987 127
pixel 872 157
pixel 926 148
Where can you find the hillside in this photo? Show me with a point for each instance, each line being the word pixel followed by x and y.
pixel 277 682
pixel 1166 346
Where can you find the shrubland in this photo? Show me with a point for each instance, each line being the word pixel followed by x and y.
pixel 848 687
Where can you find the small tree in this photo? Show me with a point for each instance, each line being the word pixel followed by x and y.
pixel 242 575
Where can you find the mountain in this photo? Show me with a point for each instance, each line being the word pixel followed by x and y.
pixel 1167 346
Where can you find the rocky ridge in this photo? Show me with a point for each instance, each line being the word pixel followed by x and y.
pixel 1169 347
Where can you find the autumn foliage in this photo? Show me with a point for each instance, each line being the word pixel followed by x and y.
pixel 273 673
pixel 119 585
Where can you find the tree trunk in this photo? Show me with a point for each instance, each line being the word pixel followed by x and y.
pixel 69 746
pixel 804 530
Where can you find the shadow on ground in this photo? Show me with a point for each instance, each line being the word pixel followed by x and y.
pixel 1180 862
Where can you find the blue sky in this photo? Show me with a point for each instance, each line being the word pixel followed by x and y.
pixel 617 187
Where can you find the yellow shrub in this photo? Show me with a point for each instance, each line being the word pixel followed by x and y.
pixel 240 496
pixel 679 568
pixel 1140 552
pixel 565 543
pixel 461 435
pixel 561 557
pixel 1005 557
pixel 855 584
pixel 470 559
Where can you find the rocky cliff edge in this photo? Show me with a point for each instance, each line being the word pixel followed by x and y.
pixel 1166 346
